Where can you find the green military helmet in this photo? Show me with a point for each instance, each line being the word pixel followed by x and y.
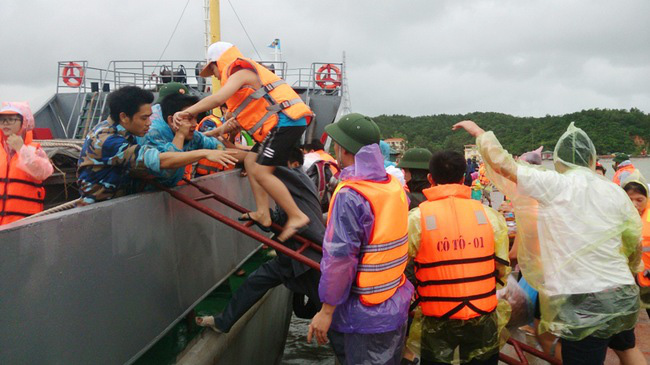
pixel 620 157
pixel 354 131
pixel 171 88
pixel 415 158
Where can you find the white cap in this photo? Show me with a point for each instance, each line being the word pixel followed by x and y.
pixel 214 53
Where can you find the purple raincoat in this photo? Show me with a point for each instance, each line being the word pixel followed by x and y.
pixel 350 227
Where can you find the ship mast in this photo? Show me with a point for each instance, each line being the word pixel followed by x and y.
pixel 212 34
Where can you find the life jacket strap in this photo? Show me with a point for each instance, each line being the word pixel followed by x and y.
pixel 257 94
pixel 8 213
pixel 384 246
pixel 459 299
pixel 376 289
pixel 462 305
pixel 272 110
pixel 382 267
pixel 21 181
pixel 20 197
pixel 458 280
pixel 646 249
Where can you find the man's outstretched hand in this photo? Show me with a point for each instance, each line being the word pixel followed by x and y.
pixel 472 128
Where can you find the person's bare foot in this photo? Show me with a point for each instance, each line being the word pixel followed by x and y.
pixel 207 321
pixel 292 227
pixel 259 217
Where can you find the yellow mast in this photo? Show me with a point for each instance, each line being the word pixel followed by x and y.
pixel 215 36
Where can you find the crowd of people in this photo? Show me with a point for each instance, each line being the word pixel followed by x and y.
pixel 412 262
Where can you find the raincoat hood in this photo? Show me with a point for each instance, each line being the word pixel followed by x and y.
pixel 636 177
pixel 385 152
pixel 574 149
pixel 368 165
pixel 22 108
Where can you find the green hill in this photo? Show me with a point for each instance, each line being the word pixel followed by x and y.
pixel 610 130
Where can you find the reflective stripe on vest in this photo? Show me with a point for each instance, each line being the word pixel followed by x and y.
pixel 455 265
pixel 380 271
pixel 256 110
pixel 644 276
pixel 20 194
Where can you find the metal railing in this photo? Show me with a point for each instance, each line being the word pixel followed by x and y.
pixel 152 74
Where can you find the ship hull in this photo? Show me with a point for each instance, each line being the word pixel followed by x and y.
pixel 100 284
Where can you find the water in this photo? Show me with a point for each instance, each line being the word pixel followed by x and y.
pixel 298 351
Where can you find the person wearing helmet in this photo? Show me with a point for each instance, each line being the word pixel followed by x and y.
pixel 363 288
pixel 586 249
pixel 23 164
pixel 623 167
pixel 272 113
pixel 415 164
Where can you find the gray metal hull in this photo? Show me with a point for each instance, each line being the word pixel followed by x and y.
pixel 257 338
pixel 100 284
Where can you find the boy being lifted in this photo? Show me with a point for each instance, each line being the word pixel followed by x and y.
pixel 271 112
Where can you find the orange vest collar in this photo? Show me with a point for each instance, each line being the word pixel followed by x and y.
pixel 447 190
pixel 227 58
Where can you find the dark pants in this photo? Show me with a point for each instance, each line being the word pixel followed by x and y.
pixel 368 349
pixel 592 351
pixel 271 274
pixel 494 360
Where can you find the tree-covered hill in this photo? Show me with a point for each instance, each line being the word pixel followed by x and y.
pixel 610 130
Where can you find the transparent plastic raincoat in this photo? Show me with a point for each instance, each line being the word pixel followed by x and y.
pixel 580 237
pixel 430 335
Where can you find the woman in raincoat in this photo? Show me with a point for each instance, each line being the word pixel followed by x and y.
pixel 23 164
pixel 637 189
pixel 586 248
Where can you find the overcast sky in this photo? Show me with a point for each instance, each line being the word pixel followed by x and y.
pixel 527 58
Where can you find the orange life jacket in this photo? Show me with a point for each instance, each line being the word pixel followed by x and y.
pixel 455 265
pixel 328 158
pixel 381 269
pixel 205 166
pixel 20 194
pixel 617 175
pixel 644 276
pixel 257 110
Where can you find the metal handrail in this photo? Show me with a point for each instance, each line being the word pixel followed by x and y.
pixel 245 229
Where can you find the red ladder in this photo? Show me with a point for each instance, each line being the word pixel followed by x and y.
pixel 243 228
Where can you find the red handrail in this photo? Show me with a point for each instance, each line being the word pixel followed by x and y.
pixel 211 194
pixel 520 348
pixel 240 227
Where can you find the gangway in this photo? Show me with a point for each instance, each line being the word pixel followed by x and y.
pixel 243 228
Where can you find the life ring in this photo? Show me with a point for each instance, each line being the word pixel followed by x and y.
pixel 324 77
pixel 69 76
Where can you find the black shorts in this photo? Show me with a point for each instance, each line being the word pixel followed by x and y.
pixel 592 350
pixel 275 149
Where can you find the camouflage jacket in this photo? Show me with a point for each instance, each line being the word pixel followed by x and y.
pixel 109 155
